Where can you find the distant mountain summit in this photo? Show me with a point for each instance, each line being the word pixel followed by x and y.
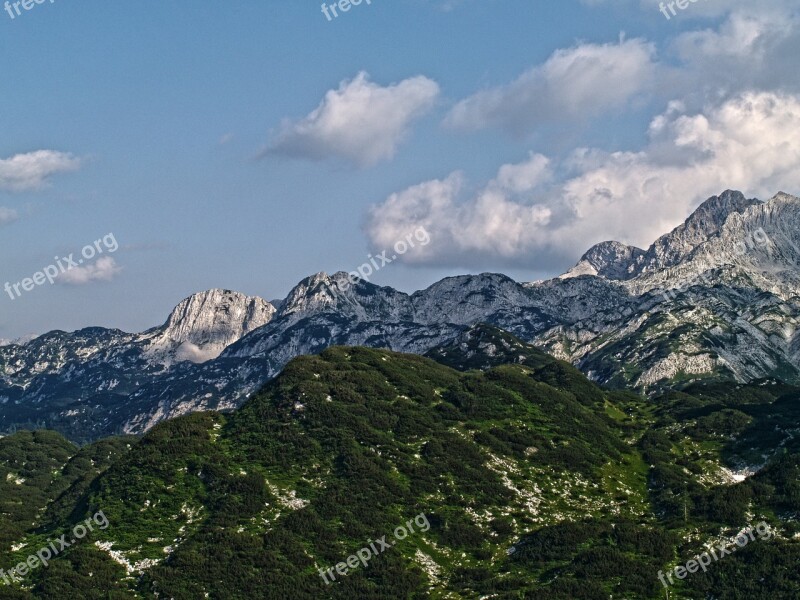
pixel 204 324
pixel 703 224
pixel 610 260
pixel 716 298
pixel 613 260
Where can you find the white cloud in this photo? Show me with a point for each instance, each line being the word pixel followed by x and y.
pixel 524 177
pixel 523 218
pixel 495 224
pixel 103 269
pixel 361 122
pixel 7 215
pixel 743 45
pixel 575 83
pixel 746 50
pixel 31 171
pixel 740 36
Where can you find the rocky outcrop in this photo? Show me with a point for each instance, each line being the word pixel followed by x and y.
pixel 204 324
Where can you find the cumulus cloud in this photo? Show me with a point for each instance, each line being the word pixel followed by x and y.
pixel 524 176
pixel 742 45
pixel 747 49
pixel 7 215
pixel 103 269
pixel 31 171
pixel 575 83
pixel 527 217
pixel 495 224
pixel 361 122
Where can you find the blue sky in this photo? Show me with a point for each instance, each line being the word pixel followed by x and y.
pixel 517 132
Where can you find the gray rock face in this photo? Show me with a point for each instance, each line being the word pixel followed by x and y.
pixel 610 260
pixel 715 298
pixel 203 325
pixel 613 260
pixel 705 223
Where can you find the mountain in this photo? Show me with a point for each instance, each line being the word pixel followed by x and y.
pixel 613 260
pixel 610 260
pixel 522 480
pixel 715 299
pixel 202 326
pixel 85 378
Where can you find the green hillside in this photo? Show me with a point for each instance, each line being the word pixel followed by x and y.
pixel 532 483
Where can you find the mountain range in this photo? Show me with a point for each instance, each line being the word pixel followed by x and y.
pixel 715 299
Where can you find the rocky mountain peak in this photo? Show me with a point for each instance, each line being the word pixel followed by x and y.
pixel 781 201
pixel 20 341
pixel 617 261
pixel 712 214
pixel 204 324
pixel 315 293
pixel 612 260
pixel 706 221
pixel 323 293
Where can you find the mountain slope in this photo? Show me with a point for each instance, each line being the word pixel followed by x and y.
pixel 515 487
